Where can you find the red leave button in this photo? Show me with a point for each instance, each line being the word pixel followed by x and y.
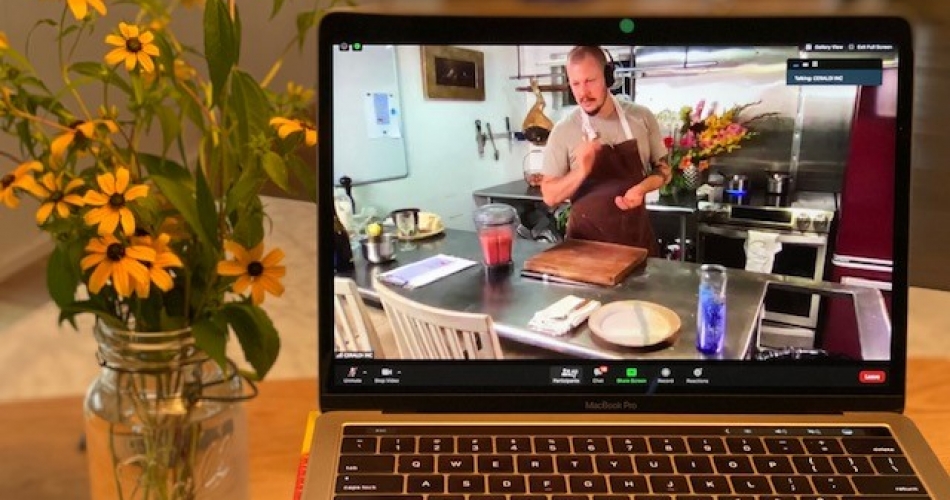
pixel 872 376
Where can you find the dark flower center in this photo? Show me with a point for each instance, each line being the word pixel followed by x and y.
pixel 117 200
pixel 56 196
pixel 79 139
pixel 115 252
pixel 6 180
pixel 133 45
pixel 141 231
pixel 255 269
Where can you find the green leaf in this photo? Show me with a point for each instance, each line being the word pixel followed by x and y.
pixel 250 106
pixel 67 313
pixel 221 45
pixel 177 184
pixel 276 9
pixel 305 21
pixel 256 334
pixel 248 185
pixel 276 170
pixel 171 125
pixel 207 213
pixel 249 225
pixel 306 175
pixel 212 338
pixel 61 280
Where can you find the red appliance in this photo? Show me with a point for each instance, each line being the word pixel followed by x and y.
pixel 863 248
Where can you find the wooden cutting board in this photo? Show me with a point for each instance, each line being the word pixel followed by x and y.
pixel 588 261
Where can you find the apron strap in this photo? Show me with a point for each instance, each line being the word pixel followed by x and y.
pixel 628 134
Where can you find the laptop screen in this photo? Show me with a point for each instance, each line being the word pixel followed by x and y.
pixel 619 207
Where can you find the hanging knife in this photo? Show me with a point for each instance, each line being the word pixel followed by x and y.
pixel 492 137
pixel 479 138
pixel 508 129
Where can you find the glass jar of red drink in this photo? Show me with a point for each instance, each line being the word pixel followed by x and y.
pixel 496 224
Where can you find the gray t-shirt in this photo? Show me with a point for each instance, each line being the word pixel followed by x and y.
pixel 569 132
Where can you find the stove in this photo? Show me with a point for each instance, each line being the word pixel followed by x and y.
pixel 803 212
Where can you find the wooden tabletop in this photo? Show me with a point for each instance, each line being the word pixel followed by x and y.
pixel 41 459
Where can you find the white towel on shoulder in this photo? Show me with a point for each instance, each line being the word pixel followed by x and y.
pixel 760 250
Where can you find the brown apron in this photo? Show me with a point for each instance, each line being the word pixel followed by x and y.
pixel 594 213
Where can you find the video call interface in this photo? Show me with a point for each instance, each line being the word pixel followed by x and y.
pixel 762 255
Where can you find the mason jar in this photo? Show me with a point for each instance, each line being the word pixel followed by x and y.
pixel 163 420
pixel 711 309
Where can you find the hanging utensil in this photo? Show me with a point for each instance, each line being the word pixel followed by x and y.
pixel 508 129
pixel 491 137
pixel 479 138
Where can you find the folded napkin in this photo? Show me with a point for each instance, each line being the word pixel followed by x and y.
pixel 760 250
pixel 563 316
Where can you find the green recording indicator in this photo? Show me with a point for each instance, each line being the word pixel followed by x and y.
pixel 357 46
pixel 626 25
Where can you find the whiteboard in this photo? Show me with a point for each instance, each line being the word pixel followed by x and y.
pixel 368 143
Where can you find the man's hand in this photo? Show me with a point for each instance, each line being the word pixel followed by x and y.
pixel 585 153
pixel 633 198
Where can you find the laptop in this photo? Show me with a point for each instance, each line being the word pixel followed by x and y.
pixel 457 393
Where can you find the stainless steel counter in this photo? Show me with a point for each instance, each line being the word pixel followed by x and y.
pixel 513 299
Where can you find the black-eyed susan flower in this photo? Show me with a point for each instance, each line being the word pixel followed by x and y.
pixel 158 273
pixel 286 126
pixel 79 136
pixel 261 274
pixel 133 47
pixel 115 191
pixel 116 262
pixel 81 7
pixel 20 178
pixel 54 196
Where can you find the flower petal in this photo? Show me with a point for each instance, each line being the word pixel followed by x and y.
pixel 109 221
pixel 95 198
pixel 116 56
pixel 239 252
pixel 91 260
pixel 124 29
pixel 98 5
pixel 162 279
pixel 116 40
pixel 276 271
pixel 146 61
pixel 121 179
pixel 151 50
pixel 311 137
pixel 136 270
pixel 273 258
pixel 127 220
pixel 88 129
pixel 254 254
pixel 74 199
pixel 42 215
pixel 62 210
pixel 78 7
pixel 120 278
pixel 106 183
pixel 130 61
pixel 257 293
pixel 59 144
pixel 231 268
pixel 167 259
pixel 137 191
pixel 100 275
pixel 272 285
pixel 146 37
pixel 241 284
pixel 139 252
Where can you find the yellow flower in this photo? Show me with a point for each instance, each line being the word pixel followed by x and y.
pixel 164 259
pixel 262 274
pixel 54 195
pixel 20 178
pixel 4 43
pixel 299 92
pixel 286 126
pixel 81 7
pixel 114 192
pixel 79 135
pixel 132 47
pixel 114 260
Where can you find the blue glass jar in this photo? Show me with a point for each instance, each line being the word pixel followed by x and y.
pixel 711 309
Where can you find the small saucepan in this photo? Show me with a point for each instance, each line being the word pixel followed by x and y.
pixel 779 184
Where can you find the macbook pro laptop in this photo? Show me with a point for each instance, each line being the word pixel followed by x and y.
pixel 454 392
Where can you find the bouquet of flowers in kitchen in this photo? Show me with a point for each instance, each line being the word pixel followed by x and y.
pixel 701 134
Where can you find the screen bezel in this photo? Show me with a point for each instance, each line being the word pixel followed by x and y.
pixel 371 28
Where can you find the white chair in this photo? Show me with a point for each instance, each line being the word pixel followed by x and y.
pixel 426 332
pixel 353 329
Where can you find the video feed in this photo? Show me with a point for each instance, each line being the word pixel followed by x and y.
pixel 614 203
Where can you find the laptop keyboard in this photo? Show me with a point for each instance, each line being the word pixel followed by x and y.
pixel 622 463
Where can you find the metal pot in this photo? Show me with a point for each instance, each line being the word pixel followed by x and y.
pixel 738 183
pixel 380 249
pixel 779 184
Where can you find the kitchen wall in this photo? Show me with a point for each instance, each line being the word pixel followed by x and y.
pixel 444 166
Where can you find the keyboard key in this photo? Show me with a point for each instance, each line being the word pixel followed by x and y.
pixel 693 465
pixel 784 446
pixel 416 463
pixel 854 465
pixel 668 445
pixel 773 465
pixel 384 497
pixel 496 463
pixel 425 484
pixel 792 485
pixel 475 445
pixel 692 497
pixel 706 445
pixel 436 445
pixel 735 497
pixel 397 445
pixel 369 483
pixel 570 497
pixel 590 445
pixel 817 446
pixel 710 484
pixel 359 445
pixel 534 464
pixel 757 485
pixel 573 464
pixel 612 464
pixel 777 497
pixel 653 464
pixel 813 465
pixel 669 484
pixel 888 485
pixel 892 465
pixel 355 464
pixel 506 484
pixel 547 484
pixel 552 445
pixel 466 484
pixel 513 445
pixel 486 497
pixel 446 497
pixel 871 446
pixel 832 485
pixel 588 484
pixel 733 465
pixel 456 463
pixel 747 445
pixel 628 484
pixel 528 497
pixel 628 445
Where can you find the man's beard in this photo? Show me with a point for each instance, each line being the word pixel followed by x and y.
pixel 596 110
